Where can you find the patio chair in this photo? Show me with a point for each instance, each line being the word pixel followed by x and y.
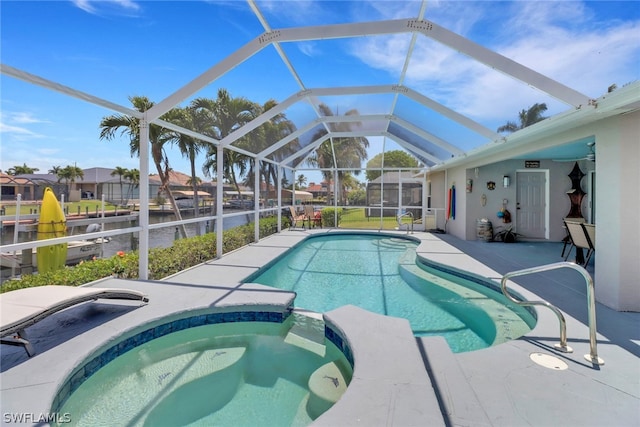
pixel 313 217
pixel 578 240
pixel 24 307
pixel 590 232
pixel 297 220
pixel 567 238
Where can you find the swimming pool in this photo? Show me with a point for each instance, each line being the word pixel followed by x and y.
pixel 380 273
pixel 232 373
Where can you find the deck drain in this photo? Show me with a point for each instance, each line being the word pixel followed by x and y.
pixel 549 361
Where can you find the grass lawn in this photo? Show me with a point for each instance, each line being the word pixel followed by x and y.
pixel 356 218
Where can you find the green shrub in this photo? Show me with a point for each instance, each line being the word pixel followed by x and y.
pixel 163 262
pixel 328 216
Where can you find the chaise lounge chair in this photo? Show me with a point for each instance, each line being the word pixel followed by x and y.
pixel 25 307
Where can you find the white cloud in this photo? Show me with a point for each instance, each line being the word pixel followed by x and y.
pixel 95 7
pixel 5 128
pixel 16 124
pixel 25 118
pixel 84 5
pixel 308 48
pixel 294 12
pixel 564 41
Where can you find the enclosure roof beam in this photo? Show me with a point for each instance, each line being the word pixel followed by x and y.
pixel 428 136
pixel 501 63
pixel 411 147
pixel 287 139
pixel 428 28
pixel 8 70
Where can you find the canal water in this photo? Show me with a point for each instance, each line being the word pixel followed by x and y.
pixel 161 237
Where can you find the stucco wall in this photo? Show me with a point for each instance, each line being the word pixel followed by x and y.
pixel 617 204
pixel 617 167
pixel 559 184
pixel 437 180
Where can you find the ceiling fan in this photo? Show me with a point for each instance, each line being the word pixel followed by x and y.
pixel 591 155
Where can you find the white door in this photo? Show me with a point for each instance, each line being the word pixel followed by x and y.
pixel 531 204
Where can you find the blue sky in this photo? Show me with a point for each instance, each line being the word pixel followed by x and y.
pixel 116 49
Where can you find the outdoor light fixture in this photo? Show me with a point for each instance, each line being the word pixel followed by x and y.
pixel 506 181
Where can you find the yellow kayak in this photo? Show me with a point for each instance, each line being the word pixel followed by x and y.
pixel 52 224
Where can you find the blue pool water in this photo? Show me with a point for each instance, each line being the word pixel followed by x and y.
pixel 232 374
pixel 379 273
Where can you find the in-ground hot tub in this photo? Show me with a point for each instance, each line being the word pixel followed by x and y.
pixel 233 368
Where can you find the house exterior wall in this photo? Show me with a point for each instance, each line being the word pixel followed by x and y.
pixel 438 196
pixel 617 271
pixel 559 184
pixel 617 169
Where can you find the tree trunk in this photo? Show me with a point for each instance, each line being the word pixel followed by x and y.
pixel 164 185
pixel 196 198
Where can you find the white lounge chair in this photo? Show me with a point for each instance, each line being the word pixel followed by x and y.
pixel 25 307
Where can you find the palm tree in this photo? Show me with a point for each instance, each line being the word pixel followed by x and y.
pixel 225 115
pixel 133 176
pixel 527 118
pixel 158 136
pixel 302 180
pixel 350 152
pixel 54 170
pixel 190 147
pixel 196 181
pixel 120 172
pixel 69 174
pixel 262 138
pixel 21 170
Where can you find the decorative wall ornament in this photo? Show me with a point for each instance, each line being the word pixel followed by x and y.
pixel 491 185
pixel 576 194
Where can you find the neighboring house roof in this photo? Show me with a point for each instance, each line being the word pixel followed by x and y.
pixel 175 178
pixel 14 180
pixel 33 178
pixel 91 176
pixel 318 188
pixel 98 176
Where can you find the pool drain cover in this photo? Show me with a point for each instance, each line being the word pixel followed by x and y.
pixel 549 361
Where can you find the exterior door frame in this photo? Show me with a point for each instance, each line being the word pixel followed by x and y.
pixel 546 196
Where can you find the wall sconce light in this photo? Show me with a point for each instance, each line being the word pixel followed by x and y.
pixel 506 181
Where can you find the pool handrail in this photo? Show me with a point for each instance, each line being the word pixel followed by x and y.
pixel 591 305
pixel 399 219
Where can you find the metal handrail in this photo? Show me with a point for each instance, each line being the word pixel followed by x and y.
pixel 399 218
pixel 591 305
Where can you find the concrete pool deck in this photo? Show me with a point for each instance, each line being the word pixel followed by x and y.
pixel 398 380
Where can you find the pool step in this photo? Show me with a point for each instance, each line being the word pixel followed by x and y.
pixel 393 243
pixel 508 325
pixel 185 381
pixel 326 385
pixel 307 332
